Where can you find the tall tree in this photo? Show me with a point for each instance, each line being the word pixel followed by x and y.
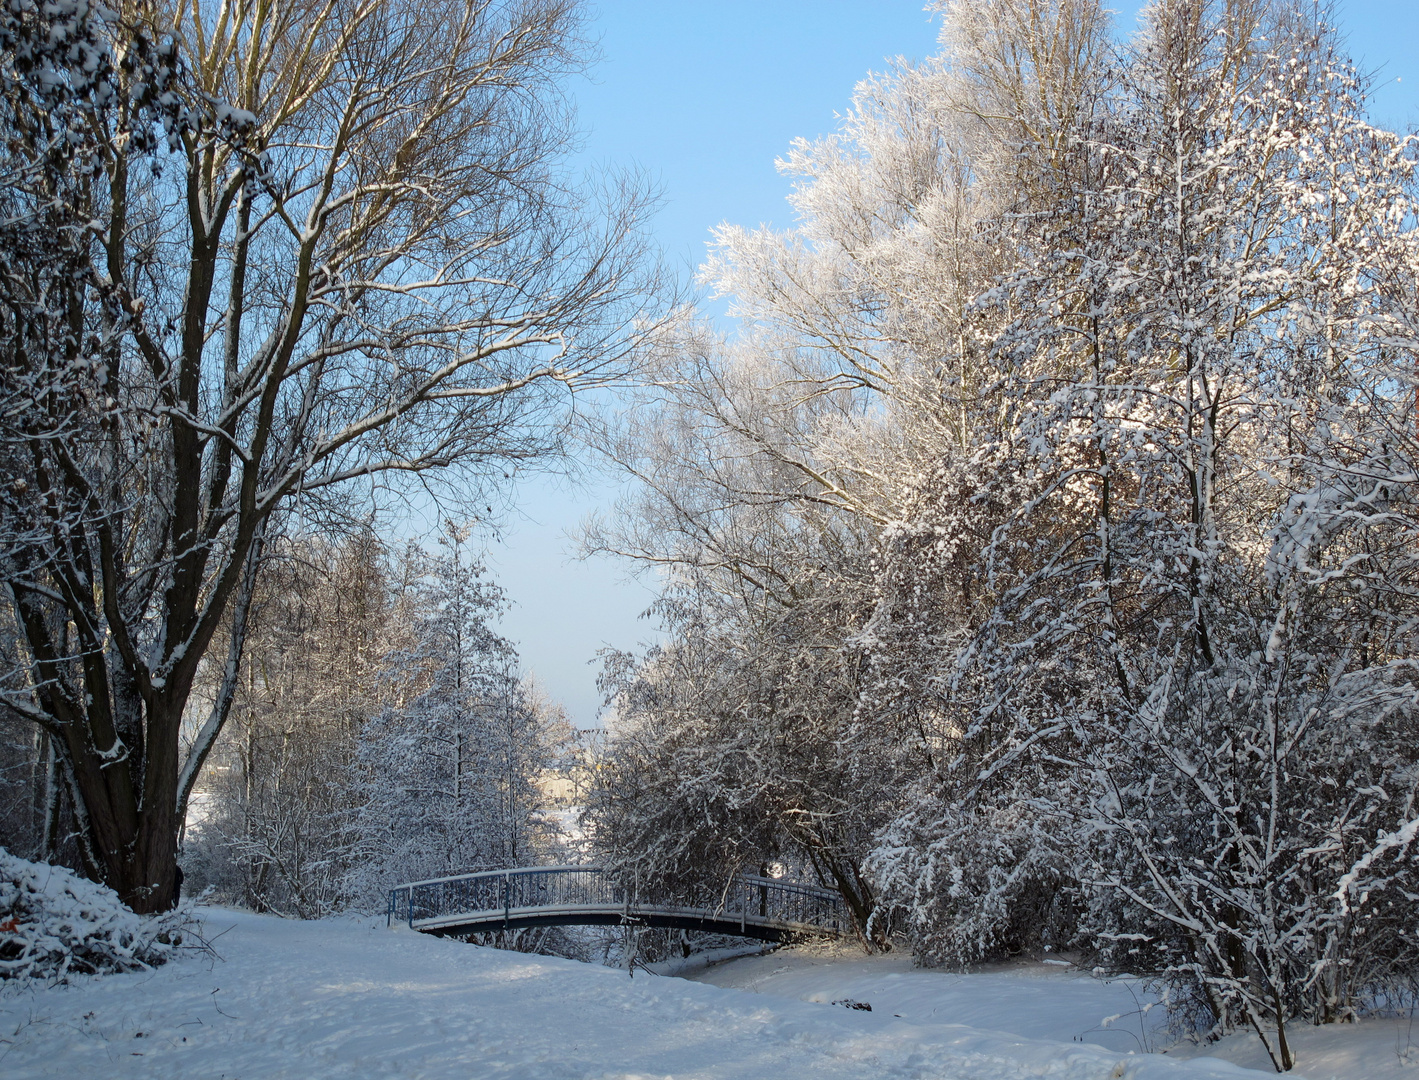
pixel 302 250
pixel 1184 630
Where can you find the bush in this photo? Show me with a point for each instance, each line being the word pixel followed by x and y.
pixel 55 924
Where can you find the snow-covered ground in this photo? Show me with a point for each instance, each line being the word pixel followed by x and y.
pixel 1052 1001
pixel 347 998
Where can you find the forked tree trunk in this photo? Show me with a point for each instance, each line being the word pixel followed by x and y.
pixel 128 829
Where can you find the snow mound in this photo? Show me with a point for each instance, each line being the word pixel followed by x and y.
pixel 55 924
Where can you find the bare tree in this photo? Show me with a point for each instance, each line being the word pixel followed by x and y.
pixel 314 249
pixel 272 830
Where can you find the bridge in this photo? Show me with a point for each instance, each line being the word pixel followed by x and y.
pixel 766 908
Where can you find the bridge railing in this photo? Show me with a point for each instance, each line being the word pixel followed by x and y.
pixel 502 890
pixel 758 899
pixel 747 899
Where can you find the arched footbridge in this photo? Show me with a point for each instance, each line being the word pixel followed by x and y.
pixel 766 908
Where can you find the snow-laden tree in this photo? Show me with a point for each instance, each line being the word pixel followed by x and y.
pixel 449 768
pixel 766 464
pixel 733 748
pixel 1093 367
pixel 1188 702
pixel 263 257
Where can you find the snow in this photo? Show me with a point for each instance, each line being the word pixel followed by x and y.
pixel 1374 1049
pixel 55 925
pixel 348 998
pixel 1041 1001
pixel 1055 1002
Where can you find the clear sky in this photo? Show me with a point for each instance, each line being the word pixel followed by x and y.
pixel 704 96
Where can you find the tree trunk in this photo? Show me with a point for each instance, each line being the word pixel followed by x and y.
pixel 133 838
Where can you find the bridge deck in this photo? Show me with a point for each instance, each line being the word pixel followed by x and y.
pixel 765 908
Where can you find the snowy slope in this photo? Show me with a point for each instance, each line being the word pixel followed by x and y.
pixel 347 998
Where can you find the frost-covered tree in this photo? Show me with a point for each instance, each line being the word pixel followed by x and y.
pixel 1198 605
pixel 767 463
pixel 732 748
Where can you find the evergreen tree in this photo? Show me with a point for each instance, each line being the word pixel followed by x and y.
pixel 451 764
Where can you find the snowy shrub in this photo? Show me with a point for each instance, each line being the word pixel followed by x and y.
pixel 967 885
pixel 733 752
pixel 54 924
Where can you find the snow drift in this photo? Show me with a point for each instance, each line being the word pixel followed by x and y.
pixel 54 924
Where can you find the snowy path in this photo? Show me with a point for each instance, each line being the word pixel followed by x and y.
pixel 349 999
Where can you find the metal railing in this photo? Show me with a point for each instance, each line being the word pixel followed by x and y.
pixel 492 897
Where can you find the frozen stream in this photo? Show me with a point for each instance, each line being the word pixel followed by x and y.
pixel 1056 1002
pixel 1029 999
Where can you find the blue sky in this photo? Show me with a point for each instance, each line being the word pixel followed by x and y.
pixel 703 97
